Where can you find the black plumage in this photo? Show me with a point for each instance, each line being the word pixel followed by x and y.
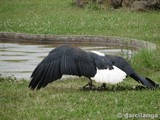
pixel 67 60
pixel 127 68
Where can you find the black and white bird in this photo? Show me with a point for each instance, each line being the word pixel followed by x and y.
pixel 67 60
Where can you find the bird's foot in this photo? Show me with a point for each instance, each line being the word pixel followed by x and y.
pixel 102 87
pixel 88 87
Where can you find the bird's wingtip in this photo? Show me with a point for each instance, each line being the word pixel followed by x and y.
pixel 154 85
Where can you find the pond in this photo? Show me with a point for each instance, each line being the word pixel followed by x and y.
pixel 19 59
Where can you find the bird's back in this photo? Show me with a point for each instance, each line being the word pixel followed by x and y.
pixel 121 63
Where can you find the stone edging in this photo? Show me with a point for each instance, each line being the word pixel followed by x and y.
pixel 101 40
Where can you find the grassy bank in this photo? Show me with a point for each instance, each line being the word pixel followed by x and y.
pixel 63 99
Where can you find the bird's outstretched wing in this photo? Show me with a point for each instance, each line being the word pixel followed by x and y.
pixel 122 64
pixel 47 70
pixel 65 60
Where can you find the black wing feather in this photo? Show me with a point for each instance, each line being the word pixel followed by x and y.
pixel 62 60
pixel 66 60
pixel 127 68
pixel 42 79
pixel 101 62
pixel 54 72
pixel 36 76
pixel 121 63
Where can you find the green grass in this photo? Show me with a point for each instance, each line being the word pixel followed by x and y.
pixel 146 59
pixel 62 18
pixel 63 99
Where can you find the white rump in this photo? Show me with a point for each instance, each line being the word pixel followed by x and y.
pixel 112 76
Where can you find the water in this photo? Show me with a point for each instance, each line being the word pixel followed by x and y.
pixel 19 60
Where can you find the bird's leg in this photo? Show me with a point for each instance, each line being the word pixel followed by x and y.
pixel 102 87
pixel 89 86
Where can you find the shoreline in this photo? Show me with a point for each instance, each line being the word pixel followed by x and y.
pixel 76 39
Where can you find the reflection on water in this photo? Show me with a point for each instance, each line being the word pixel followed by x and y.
pixel 19 60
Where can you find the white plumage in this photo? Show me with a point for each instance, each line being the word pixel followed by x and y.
pixel 112 76
pixel 98 53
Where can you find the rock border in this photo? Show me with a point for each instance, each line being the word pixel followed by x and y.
pixel 76 39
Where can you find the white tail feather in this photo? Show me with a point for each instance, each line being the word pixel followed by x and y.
pixel 112 76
